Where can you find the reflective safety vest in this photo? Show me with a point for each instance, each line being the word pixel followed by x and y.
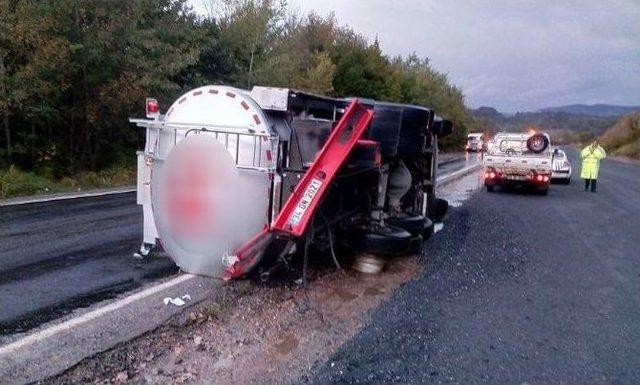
pixel 591 161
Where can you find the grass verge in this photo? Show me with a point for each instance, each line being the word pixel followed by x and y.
pixel 16 182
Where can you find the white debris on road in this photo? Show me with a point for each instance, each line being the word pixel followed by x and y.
pixel 177 300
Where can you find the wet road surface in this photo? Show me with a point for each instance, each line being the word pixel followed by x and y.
pixel 59 255
pixel 519 288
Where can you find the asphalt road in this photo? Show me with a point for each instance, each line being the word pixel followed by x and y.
pixel 61 255
pixel 519 288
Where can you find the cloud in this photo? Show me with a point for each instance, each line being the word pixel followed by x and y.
pixel 512 55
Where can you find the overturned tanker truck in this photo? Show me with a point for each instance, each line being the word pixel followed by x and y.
pixel 234 181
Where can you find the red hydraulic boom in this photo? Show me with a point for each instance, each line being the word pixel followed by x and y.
pixel 296 213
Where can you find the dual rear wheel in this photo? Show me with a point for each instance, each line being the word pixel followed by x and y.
pixel 402 236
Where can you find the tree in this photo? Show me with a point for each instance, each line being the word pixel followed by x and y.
pixel 32 79
pixel 420 84
pixel 73 71
pixel 216 63
pixel 361 68
pixel 249 26
pixel 299 56
pixel 319 75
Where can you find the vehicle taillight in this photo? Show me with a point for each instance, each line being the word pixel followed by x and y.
pixel 540 178
pixel 153 108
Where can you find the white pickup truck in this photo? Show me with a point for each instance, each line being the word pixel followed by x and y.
pixel 519 159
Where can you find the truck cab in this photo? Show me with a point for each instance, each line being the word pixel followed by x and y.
pixel 475 142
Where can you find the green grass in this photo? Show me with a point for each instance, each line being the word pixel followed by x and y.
pixel 16 182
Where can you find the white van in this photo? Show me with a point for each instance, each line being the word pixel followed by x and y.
pixel 474 142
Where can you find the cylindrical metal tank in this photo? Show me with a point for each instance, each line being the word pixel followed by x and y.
pixel 210 182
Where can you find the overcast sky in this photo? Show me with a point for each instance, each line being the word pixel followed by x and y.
pixel 512 55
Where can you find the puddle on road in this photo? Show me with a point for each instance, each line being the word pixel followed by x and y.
pixel 345 296
pixel 458 192
pixel 286 344
pixel 373 291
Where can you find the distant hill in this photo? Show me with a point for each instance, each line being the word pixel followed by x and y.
pixel 593 109
pixel 564 127
pixel 624 137
pixel 486 112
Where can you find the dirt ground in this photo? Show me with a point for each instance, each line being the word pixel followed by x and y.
pixel 251 333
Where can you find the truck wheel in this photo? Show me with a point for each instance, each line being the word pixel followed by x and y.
pixel 428 229
pixel 490 188
pixel 415 246
pixel 414 224
pixel 388 240
pixel 438 210
pixel 543 191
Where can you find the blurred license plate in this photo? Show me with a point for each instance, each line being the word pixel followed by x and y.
pixel 305 201
pixel 516 177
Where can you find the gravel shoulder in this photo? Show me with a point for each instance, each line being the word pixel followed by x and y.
pixel 250 332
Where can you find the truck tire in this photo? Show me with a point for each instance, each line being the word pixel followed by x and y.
pixel 490 188
pixel 388 241
pixel 537 143
pixel 438 210
pixel 428 229
pixel 414 224
pixel 415 246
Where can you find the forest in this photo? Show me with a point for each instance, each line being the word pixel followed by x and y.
pixel 73 71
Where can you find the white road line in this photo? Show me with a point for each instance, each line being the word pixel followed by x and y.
pixel 455 175
pixel 36 199
pixel 74 322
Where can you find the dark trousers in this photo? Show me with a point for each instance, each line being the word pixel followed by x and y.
pixel 591 182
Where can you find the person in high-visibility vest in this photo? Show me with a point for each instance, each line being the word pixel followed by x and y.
pixel 591 157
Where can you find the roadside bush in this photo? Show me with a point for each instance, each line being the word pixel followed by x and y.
pixel 111 177
pixel 632 150
pixel 14 182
